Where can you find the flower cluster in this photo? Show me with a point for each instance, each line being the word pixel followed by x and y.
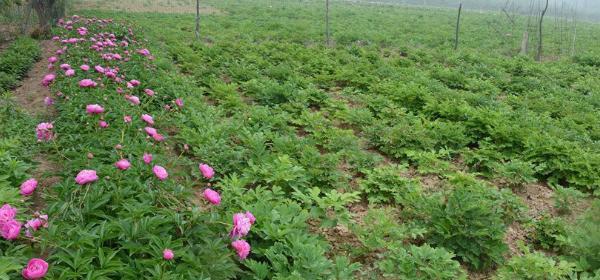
pixel 104 68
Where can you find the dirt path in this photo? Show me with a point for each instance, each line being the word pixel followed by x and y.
pixel 30 94
pixel 30 97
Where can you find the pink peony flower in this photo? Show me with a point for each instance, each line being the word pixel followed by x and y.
pixel 144 52
pixel 127 119
pixel 149 92
pixel 103 124
pixel 134 83
pixel 34 224
pixel 86 176
pixel 7 213
pixel 52 59
pixel 82 31
pixel 84 67
pixel 28 186
pixel 168 254
pixel 65 66
pixel 158 137
pixel 10 230
pixel 241 225
pixel 48 101
pixel 94 109
pixel 99 69
pixel 70 73
pixel 250 217
pixel 48 79
pixel 35 269
pixel 179 102
pixel 242 248
pixel 148 119
pixel 160 172
pixel 206 170
pixel 87 83
pixel 147 158
pixel 133 99
pixel 43 132
pixel 212 196
pixel 123 164
pixel 150 131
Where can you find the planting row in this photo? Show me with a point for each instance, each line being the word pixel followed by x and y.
pixel 121 207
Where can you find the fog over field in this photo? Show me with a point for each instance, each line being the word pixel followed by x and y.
pixel 582 9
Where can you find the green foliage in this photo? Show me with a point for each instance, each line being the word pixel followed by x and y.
pixel 514 173
pixel 387 185
pixel 469 225
pixel 420 262
pixel 584 239
pixel 535 266
pixel 16 60
pixel 565 198
pixel 382 229
pixel 330 208
pixel 549 233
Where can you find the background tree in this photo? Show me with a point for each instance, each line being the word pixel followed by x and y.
pixel 48 11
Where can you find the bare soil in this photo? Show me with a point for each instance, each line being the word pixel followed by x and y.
pixel 30 97
pixel 30 94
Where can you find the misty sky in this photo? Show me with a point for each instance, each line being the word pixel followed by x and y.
pixel 585 9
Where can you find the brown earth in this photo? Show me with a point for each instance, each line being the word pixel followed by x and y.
pixel 30 97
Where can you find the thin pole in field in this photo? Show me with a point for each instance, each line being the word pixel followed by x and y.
pixel 327 32
pixel 197 19
pixel 539 52
pixel 457 27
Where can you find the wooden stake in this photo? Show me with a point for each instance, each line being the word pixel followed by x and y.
pixel 197 19
pixel 539 52
pixel 457 27
pixel 327 32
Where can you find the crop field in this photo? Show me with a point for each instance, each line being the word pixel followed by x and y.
pixel 259 152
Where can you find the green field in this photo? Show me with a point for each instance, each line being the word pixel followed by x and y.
pixel 387 155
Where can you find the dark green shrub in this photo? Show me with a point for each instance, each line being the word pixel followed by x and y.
pixel 549 233
pixel 470 224
pixel 584 239
pixel 387 185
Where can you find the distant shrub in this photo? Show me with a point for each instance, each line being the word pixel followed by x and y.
pixel 587 60
pixel 420 263
pixel 470 224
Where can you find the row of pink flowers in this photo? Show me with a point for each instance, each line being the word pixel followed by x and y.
pixel 107 46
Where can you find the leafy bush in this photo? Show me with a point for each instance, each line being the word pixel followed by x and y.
pixel 535 266
pixel 584 239
pixel 565 198
pixel 469 224
pixel 420 262
pixel 16 61
pixel 549 233
pixel 387 185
